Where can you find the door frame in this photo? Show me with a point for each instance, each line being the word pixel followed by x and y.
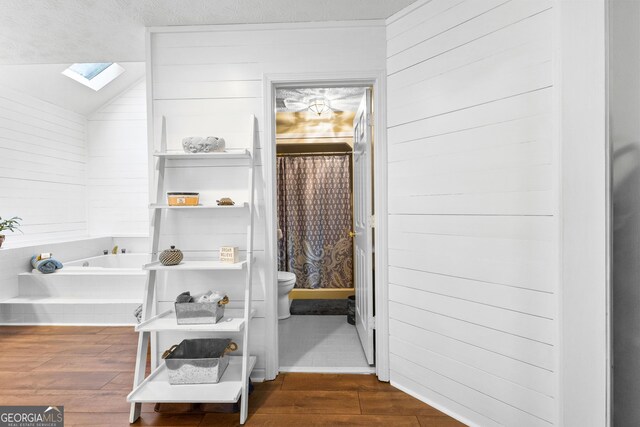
pixel 377 80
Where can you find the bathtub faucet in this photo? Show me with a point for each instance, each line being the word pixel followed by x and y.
pixel 114 250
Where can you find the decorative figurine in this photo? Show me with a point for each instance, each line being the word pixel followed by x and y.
pixel 225 201
pixel 171 256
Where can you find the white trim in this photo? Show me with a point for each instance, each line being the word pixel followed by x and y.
pixel 151 166
pixel 271 243
pixel 257 375
pixel 436 405
pixel 557 160
pixel 381 231
pixel 314 135
pixel 377 79
pixel 585 258
pixel 329 370
pixel 271 26
pixel 608 225
pixel 405 11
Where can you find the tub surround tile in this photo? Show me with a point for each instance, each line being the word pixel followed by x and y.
pixel 78 298
pixel 14 258
pixel 59 311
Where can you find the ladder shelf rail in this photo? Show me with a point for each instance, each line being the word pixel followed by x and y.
pixel 235 382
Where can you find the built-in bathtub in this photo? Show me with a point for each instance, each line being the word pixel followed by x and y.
pixel 100 290
pixel 107 264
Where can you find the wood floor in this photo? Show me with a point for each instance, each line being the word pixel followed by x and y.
pixel 89 371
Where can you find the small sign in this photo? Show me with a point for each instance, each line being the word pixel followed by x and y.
pixel 44 255
pixel 229 254
pixel 31 416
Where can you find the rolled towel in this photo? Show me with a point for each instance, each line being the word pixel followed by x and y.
pixel 184 297
pixel 217 295
pixel 205 297
pixel 45 266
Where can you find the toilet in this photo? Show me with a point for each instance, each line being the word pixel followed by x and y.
pixel 286 282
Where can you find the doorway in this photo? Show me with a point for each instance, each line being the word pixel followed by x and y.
pixel 323 148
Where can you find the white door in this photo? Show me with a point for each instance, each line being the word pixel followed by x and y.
pixel 362 232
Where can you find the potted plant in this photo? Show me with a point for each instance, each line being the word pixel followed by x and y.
pixel 11 224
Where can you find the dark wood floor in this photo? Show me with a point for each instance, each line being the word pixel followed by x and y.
pixel 89 371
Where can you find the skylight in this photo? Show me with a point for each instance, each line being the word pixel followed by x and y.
pixel 94 75
pixel 90 70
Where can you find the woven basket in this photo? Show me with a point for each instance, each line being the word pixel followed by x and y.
pixel 171 256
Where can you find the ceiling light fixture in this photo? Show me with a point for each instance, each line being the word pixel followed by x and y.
pixel 319 106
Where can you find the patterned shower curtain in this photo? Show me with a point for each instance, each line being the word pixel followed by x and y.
pixel 315 216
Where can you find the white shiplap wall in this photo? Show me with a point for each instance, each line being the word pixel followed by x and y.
pixel 217 72
pixel 42 168
pixel 118 195
pixel 473 209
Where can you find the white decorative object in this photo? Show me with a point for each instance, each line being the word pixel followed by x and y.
pixel 197 144
pixel 190 144
pixel 229 254
pixel 214 144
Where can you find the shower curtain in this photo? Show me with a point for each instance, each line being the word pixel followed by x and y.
pixel 315 216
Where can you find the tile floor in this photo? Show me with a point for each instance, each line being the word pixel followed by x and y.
pixel 320 344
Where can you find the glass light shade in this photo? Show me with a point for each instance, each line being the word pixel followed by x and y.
pixel 319 106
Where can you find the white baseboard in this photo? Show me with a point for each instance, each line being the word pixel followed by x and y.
pixel 258 375
pixel 329 370
pixel 439 407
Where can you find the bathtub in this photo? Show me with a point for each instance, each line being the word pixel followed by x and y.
pixel 100 290
pixel 107 264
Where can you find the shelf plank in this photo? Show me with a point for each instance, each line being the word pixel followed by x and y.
pixel 195 265
pixel 228 154
pixel 156 387
pixel 233 321
pixel 162 206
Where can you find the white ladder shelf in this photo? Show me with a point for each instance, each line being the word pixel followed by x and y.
pixel 234 384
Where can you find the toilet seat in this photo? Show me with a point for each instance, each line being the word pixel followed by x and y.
pixel 286 282
pixel 285 278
